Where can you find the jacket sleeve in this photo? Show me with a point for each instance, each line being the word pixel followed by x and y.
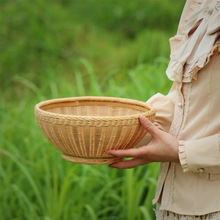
pixel 202 155
pixel 164 106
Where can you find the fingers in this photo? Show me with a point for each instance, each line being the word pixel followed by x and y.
pixel 134 152
pixel 129 163
pixel 140 155
pixel 149 126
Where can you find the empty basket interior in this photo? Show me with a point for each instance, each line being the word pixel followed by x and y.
pixel 93 108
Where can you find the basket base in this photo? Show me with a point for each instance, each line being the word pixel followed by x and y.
pixel 91 161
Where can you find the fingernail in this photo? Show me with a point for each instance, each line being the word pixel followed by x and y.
pixel 141 118
pixel 111 166
pixel 108 152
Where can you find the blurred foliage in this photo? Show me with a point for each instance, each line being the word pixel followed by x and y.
pixel 61 48
pixel 129 17
pixel 39 37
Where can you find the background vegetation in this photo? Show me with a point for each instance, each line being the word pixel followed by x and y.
pixel 65 48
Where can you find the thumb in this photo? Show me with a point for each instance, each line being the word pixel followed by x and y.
pixel 148 125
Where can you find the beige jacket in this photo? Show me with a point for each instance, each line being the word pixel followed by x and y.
pixel 191 112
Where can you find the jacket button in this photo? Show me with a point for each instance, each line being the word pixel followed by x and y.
pixel 180 105
pixel 201 170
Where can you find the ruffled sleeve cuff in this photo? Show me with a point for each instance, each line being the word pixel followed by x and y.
pixel 201 155
pixel 182 156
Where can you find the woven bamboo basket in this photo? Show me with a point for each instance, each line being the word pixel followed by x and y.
pixel 83 128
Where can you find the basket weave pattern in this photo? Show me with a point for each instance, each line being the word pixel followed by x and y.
pixel 83 128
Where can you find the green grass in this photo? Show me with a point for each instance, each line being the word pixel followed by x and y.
pixel 37 184
pixel 61 48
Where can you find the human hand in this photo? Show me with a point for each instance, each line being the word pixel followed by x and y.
pixel 162 148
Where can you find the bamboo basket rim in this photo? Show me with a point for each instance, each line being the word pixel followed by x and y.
pixel 45 114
